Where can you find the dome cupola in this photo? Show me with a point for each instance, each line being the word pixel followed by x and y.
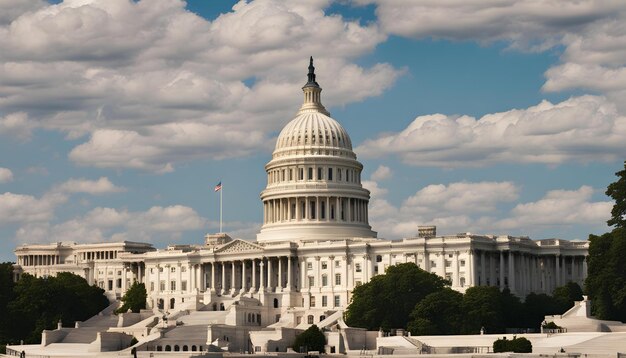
pixel 314 186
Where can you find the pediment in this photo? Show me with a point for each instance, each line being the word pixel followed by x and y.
pixel 239 246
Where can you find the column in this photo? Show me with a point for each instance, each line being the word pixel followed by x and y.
pixel 244 283
pixel 269 275
pixel 584 273
pixel 303 274
pixel 318 273
pixel 280 274
pixel 455 269
pixel 471 267
pixel 261 276
pixel 557 269
pixel 233 283
pixel 223 281
pixel 501 270
pixel 512 271
pixel 289 269
pixel 253 287
pixel 492 269
pixel 483 269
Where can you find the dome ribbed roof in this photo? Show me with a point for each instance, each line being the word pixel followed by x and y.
pixel 313 129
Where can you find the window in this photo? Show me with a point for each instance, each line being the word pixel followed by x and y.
pixel 462 263
pixel 119 283
pixel 357 267
pixel 290 174
pixel 448 263
pixel 376 269
pixel 357 283
pixel 337 279
pixel 301 176
pixel 173 285
pixel 310 319
pixel 309 266
pixel 337 264
pixel 151 286
pixel 119 273
pixel 339 174
pixel 324 280
pixel 433 264
pixel 312 301
pixel 183 269
pixel 173 269
pixel 311 281
pixel 379 258
pixel 160 269
pixel 324 265
pixel 310 176
pixel 337 301
pixel 298 320
pixel 319 174
pixel 162 285
pixel 110 285
pixel 324 301
pixel 183 286
pixel 330 173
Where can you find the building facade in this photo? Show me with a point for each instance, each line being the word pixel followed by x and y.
pixel 314 247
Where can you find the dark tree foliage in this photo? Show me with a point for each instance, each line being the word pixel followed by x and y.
pixel 483 309
pixel 439 313
pixel 134 298
pixel 565 296
pixel 310 340
pixel 39 303
pixel 387 300
pixel 617 191
pixel 515 345
pixel 536 307
pixel 6 295
pixel 513 315
pixel 606 275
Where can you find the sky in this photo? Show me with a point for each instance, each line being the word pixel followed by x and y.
pixel 118 118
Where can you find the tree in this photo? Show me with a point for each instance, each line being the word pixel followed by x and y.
pixel 537 306
pixel 310 340
pixel 516 345
pixel 566 295
pixel 134 299
pixel 617 191
pixel 483 308
pixel 387 300
pixel 438 313
pixel 513 315
pixel 606 275
pixel 6 295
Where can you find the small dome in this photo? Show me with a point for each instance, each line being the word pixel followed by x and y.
pixel 313 129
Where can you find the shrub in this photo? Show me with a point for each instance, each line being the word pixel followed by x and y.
pixel 516 345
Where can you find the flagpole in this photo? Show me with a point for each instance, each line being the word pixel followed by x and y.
pixel 221 190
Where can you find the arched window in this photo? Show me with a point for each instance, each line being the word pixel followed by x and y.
pixel 160 304
pixel 185 348
pixel 172 303
pixel 276 303
pixel 193 348
pixel 462 281
pixel 222 306
pixel 168 348
pixel 176 348
pixel 310 319
pixel 159 348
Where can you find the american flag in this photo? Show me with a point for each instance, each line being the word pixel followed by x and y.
pixel 218 187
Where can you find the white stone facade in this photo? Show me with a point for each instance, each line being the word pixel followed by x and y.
pixel 315 245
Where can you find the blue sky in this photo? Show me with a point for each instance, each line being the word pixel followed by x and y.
pixel 117 118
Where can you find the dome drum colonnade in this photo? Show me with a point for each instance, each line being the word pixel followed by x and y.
pixel 314 179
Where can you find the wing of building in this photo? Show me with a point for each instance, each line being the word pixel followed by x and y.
pixel 314 247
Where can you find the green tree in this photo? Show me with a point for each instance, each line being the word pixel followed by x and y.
pixel 310 340
pixel 566 295
pixel 387 300
pixel 537 306
pixel 134 299
pixel 438 313
pixel 513 313
pixel 483 308
pixel 606 275
pixel 6 295
pixel 516 345
pixel 617 191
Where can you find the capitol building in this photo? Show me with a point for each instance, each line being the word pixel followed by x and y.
pixel 314 247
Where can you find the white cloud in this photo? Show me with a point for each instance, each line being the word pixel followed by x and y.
pixel 18 208
pixel 484 208
pixel 6 175
pixel 95 187
pixel 16 125
pixel 109 224
pixel 559 207
pixel 381 173
pixel 583 129
pixel 73 68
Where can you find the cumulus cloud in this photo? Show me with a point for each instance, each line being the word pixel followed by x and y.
pixel 176 90
pixel 485 208
pixel 6 175
pixel 381 173
pixel 109 224
pixel 18 208
pixel 582 129
pixel 94 187
pixel 560 207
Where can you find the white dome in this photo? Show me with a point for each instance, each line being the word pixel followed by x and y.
pixel 313 129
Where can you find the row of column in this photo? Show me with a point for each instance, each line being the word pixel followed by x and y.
pixel 98 255
pixel 38 260
pixel 264 274
pixel 315 208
